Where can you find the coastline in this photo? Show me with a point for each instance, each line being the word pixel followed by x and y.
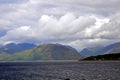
pixel 59 61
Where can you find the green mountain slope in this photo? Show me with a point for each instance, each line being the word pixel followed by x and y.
pixel 46 52
pixel 4 56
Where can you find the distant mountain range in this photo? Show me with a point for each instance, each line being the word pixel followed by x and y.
pixel 14 48
pixel 90 51
pixel 31 52
pixel 44 52
pixel 112 48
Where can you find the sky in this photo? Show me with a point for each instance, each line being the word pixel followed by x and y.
pixel 78 23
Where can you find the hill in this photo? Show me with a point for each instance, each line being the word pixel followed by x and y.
pixel 3 56
pixel 104 57
pixel 46 52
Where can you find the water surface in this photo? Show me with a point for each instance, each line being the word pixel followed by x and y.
pixel 85 70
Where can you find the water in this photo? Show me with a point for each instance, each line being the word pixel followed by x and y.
pixel 60 70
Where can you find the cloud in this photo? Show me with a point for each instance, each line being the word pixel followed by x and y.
pixel 19 34
pixel 27 12
pixel 53 28
pixel 66 29
pixel 11 1
pixel 67 26
pixel 2 32
pixel 111 29
pixel 74 22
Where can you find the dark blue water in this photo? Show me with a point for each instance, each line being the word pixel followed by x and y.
pixel 60 70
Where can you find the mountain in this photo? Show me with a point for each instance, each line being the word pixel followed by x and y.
pixel 99 50
pixel 3 56
pixel 46 52
pixel 90 51
pixel 112 48
pixel 104 57
pixel 14 48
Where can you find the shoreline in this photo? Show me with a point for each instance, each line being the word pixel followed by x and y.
pixel 58 61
